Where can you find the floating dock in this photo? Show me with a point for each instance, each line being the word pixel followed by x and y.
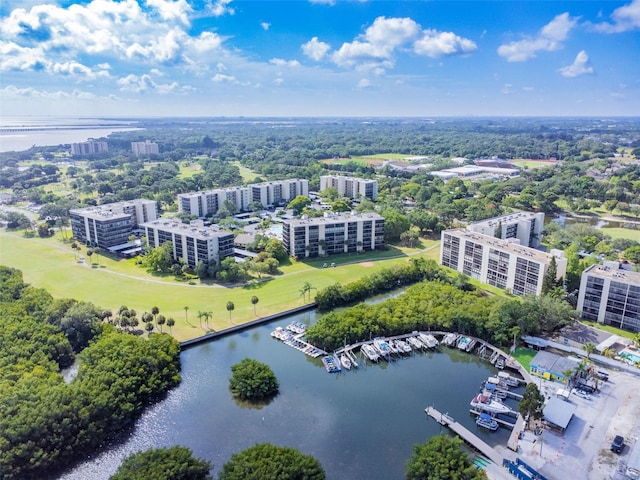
pixel 465 434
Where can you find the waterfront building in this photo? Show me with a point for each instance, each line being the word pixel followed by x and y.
pixel 207 203
pixel 611 296
pixel 109 226
pixel 500 263
pixel 525 226
pixel 145 148
pixel 343 233
pixel 89 147
pixel 350 187
pixel 193 242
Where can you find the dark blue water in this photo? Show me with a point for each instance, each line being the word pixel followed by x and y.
pixel 358 424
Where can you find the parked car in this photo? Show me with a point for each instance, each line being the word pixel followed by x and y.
pixel 582 394
pixel 618 444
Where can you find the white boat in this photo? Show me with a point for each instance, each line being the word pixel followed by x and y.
pixel 278 333
pixel 485 403
pixel 450 339
pixel 428 339
pixel 415 343
pixel 491 390
pixel 486 421
pixel 392 346
pixel 463 343
pixel 370 352
pixel 498 382
pixel 345 362
pixel 381 345
pixel 403 346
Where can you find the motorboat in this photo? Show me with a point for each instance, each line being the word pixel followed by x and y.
pixel 370 352
pixel 485 403
pixel 499 382
pixel 415 343
pixel 278 333
pixel 428 339
pixel 487 421
pixel 403 346
pixel 450 339
pixel 381 345
pixel 463 343
pixel 491 390
pixel 345 362
pixel 508 379
pixel 331 364
pixel 392 347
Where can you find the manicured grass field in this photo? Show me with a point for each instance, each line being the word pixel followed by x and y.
pixel 524 356
pixel 623 233
pixel 610 329
pixel 533 163
pixel 51 264
pixel 247 174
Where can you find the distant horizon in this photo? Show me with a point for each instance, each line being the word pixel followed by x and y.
pixel 320 58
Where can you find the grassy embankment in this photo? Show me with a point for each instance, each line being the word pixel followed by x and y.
pixel 51 264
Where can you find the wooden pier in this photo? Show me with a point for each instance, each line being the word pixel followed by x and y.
pixel 512 443
pixel 466 435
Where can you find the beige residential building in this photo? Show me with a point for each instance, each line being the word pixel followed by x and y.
pixel 350 187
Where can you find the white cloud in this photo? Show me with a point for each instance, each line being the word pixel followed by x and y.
pixel 625 18
pixel 278 81
pixel 507 89
pixel 265 25
pixel 548 39
pixel 364 83
pixel 145 83
pixel 219 7
pixel 324 2
pixel 13 92
pixel 436 44
pixel 315 49
pixel 222 78
pixel 168 10
pixel 278 62
pixel 580 66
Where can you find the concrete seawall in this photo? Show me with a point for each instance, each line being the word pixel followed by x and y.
pixel 238 328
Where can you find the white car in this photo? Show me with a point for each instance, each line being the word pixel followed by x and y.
pixel 582 394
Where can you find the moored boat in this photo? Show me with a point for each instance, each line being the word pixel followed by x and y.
pixel 403 346
pixel 331 364
pixel 381 345
pixel 485 403
pixel 450 339
pixel 428 339
pixel 463 343
pixel 415 343
pixel 345 362
pixel 486 421
pixel 508 379
pixel 370 352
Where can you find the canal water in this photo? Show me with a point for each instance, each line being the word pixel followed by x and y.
pixel 358 424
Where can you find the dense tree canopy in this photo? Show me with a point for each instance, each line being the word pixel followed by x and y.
pixel 175 463
pixel 441 457
pixel 253 380
pixel 266 461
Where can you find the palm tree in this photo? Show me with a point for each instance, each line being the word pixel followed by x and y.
pixel 590 348
pixel 207 316
pixel 89 253
pixel 230 307
pixel 568 373
pixel 186 316
pixel 200 315
pixel 155 311
pixel 149 328
pixel 306 288
pixel 170 323
pixel 254 302
pixel 161 320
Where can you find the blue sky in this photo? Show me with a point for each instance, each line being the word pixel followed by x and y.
pixel 319 58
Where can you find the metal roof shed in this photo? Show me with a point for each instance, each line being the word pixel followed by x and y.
pixel 558 413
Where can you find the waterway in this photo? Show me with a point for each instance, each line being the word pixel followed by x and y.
pixel 358 424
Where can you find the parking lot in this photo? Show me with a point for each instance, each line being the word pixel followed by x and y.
pixel 583 450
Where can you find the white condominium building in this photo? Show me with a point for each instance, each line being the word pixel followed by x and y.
pixel 89 147
pixel 194 242
pixel 611 296
pixel 333 234
pixel 110 225
pixel 503 264
pixel 350 187
pixel 147 147
pixel 525 226
pixel 208 202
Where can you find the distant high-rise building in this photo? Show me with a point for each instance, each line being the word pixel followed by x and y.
pixel 350 187
pixel 89 147
pixel 147 147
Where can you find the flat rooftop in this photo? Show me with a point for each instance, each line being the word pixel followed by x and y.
pixel 109 210
pixel 195 231
pixel 512 217
pixel 616 274
pixel 502 245
pixel 333 219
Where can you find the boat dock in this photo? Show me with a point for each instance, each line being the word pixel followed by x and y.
pixel 512 443
pixel 499 420
pixel 466 435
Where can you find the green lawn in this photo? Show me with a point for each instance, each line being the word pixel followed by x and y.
pixel 629 233
pixel 51 264
pixel 532 164
pixel 247 174
pixel 610 329
pixel 524 356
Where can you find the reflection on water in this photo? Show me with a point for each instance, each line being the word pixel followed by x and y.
pixel 358 424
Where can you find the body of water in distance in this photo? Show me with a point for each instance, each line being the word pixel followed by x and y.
pixel 358 424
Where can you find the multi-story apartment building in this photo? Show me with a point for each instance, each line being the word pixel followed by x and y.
pixel 89 147
pixel 194 242
pixel 147 147
pixel 333 234
pixel 208 202
pixel 525 226
pixel 110 225
pixel 350 187
pixel 611 296
pixel 496 262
